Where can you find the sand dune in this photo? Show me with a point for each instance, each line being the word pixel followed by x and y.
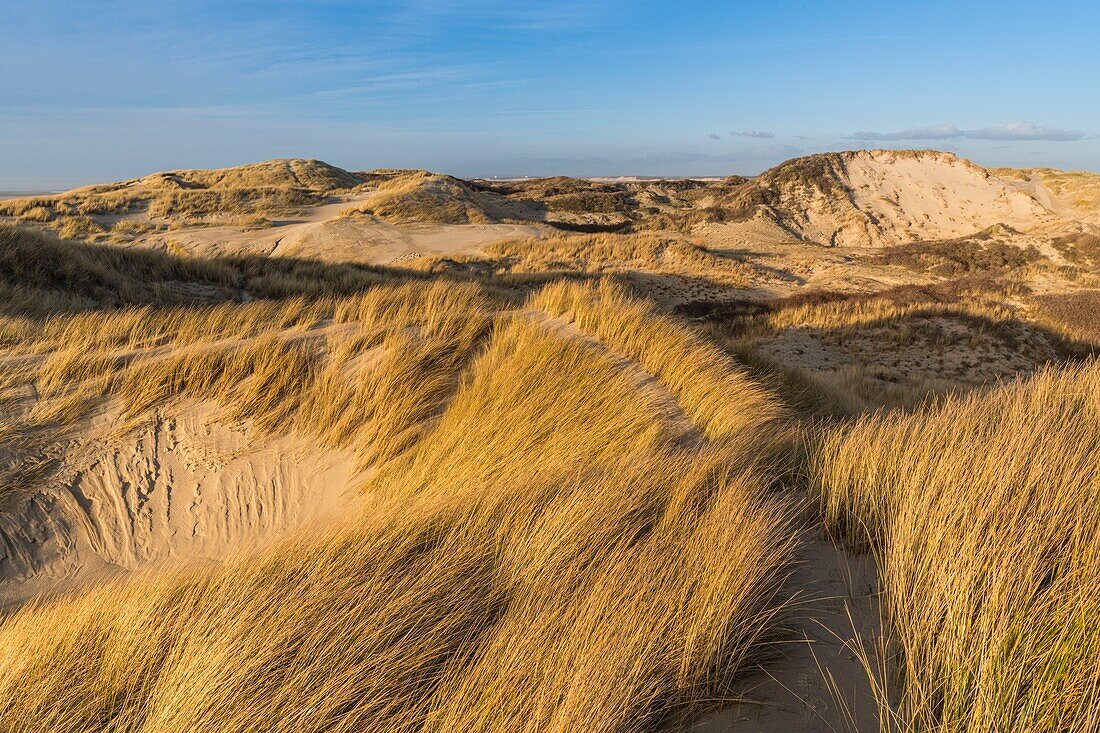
pixel 289 172
pixel 324 233
pixel 863 198
pixel 882 197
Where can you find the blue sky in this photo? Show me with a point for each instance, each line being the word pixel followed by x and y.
pixel 93 91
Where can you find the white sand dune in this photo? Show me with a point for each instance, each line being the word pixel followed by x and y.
pixel 874 198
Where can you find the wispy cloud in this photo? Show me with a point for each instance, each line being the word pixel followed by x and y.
pixel 398 81
pixel 753 133
pixel 713 136
pixel 1006 131
pixel 567 15
pixel 560 16
pixel 1026 131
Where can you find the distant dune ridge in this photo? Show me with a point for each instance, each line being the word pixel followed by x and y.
pixel 862 198
pixel 293 172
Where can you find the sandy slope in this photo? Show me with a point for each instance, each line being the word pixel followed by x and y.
pixel 1070 194
pixel 880 197
pixel 356 240
pixel 936 196
pixel 184 484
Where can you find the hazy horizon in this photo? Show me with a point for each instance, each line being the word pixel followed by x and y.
pixel 480 88
pixel 543 168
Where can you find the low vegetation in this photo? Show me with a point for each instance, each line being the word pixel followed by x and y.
pixel 418 197
pixel 184 198
pixel 953 258
pixel 1079 248
pixel 1073 314
pixel 843 353
pixel 667 254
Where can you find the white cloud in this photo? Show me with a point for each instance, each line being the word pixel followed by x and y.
pixel 753 133
pixel 1026 131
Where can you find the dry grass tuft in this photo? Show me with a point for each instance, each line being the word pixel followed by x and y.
pixel 80 227
pixel 985 513
pixel 40 214
pixel 715 394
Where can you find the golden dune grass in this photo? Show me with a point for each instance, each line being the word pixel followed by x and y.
pixel 985 513
pixel 70 343
pixel 424 617
pixel 287 365
pixel 41 276
pixel 850 315
pixel 596 253
pixel 537 549
pixel 425 198
pixel 716 394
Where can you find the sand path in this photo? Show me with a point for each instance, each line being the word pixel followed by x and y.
pixel 818 682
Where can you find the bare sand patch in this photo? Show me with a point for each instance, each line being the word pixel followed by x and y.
pixel 184 484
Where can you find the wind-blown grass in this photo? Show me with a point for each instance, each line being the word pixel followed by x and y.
pixel 985 513
pixel 537 548
pixel 715 393
pixel 670 254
